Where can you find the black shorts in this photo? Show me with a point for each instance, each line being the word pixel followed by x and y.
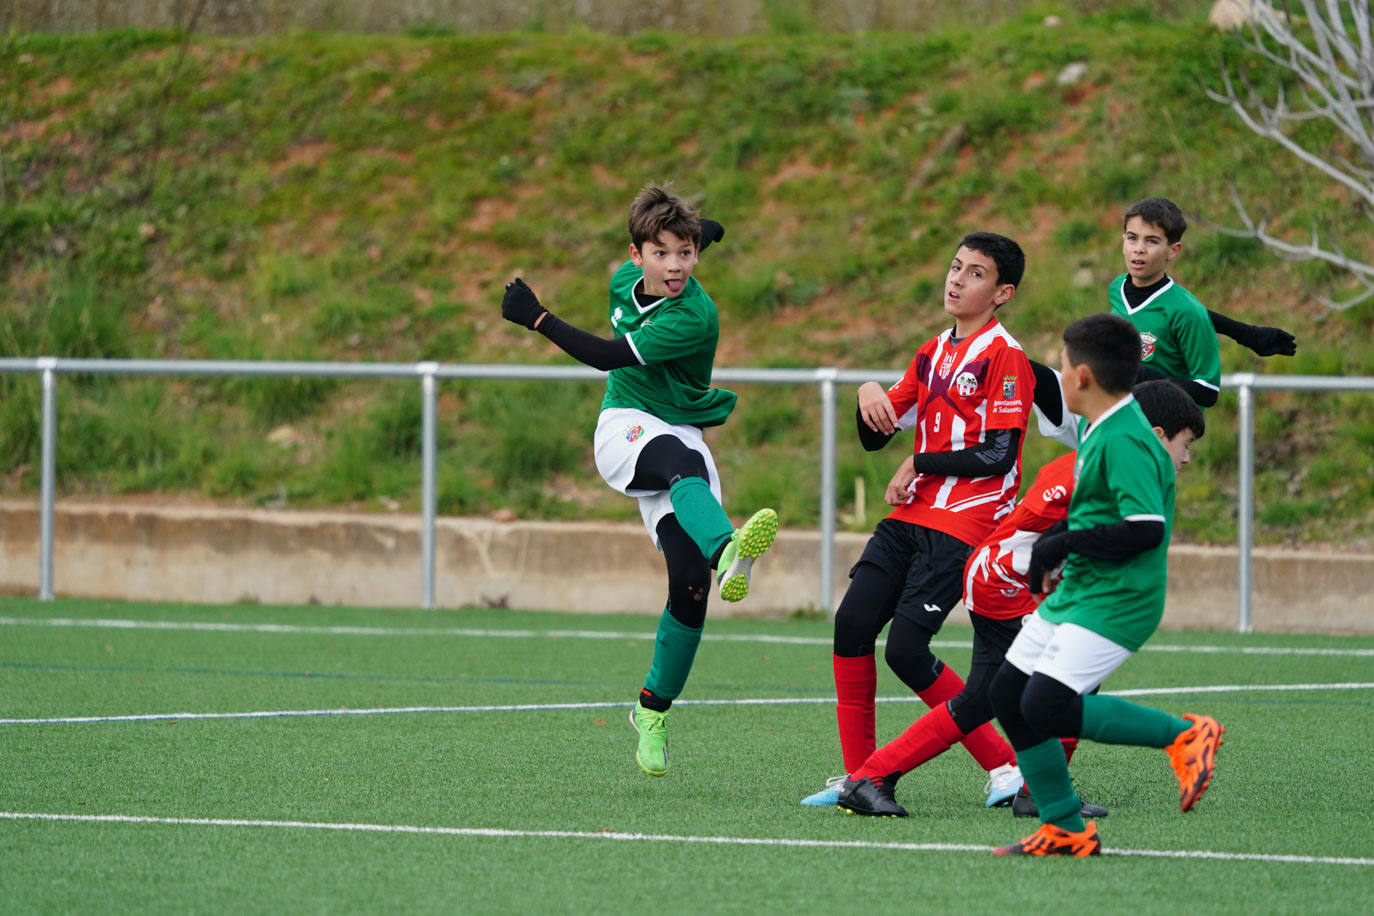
pixel 929 563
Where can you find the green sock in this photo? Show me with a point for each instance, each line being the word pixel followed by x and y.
pixel 674 650
pixel 1113 720
pixel 1046 773
pixel 700 515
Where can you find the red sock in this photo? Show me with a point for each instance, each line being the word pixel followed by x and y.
pixel 929 736
pixel 945 688
pixel 1070 745
pixel 987 747
pixel 856 686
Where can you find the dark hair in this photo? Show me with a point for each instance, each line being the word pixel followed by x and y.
pixel 1161 212
pixel 1005 253
pixel 1110 345
pixel 657 210
pixel 1169 407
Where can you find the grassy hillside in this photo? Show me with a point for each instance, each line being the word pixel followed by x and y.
pixel 323 196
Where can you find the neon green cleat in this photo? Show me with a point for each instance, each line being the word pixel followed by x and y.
pixel 652 725
pixel 746 544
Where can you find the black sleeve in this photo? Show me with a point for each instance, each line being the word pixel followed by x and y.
pixel 1201 394
pixel 1117 541
pixel 1264 340
pixel 995 456
pixel 597 352
pixel 1229 326
pixel 870 439
pixel 1048 397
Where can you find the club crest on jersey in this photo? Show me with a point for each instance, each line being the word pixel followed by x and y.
pixel 634 433
pixel 946 364
pixel 618 314
pixel 966 384
pixel 1147 344
pixel 1054 493
pixel 1008 386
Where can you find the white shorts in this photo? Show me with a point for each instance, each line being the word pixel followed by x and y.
pixel 621 434
pixel 1072 655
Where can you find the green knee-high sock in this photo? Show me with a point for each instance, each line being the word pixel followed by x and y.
pixel 1046 773
pixel 1113 720
pixel 674 650
pixel 700 515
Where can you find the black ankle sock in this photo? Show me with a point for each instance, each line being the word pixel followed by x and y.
pixel 650 700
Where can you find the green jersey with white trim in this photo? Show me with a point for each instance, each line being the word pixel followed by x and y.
pixel 1176 333
pixel 675 343
pixel 1122 472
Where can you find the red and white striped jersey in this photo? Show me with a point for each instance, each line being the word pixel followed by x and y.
pixel 954 393
pixel 996 582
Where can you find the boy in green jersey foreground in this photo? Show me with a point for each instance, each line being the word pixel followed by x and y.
pixel 1108 603
pixel 648 442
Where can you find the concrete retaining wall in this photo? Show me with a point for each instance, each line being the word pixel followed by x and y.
pixel 290 557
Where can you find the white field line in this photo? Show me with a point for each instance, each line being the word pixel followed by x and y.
pixel 552 707
pixel 647 634
pixel 498 832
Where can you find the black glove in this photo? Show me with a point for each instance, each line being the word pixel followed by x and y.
pixel 520 304
pixel 1269 341
pixel 711 231
pixel 1048 552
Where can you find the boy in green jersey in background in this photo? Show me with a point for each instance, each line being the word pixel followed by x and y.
pixel 1177 339
pixel 648 442
pixel 1109 602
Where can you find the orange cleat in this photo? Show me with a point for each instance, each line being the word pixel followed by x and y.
pixel 1193 756
pixel 1050 840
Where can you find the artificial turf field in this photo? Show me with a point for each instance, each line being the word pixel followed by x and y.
pixel 245 758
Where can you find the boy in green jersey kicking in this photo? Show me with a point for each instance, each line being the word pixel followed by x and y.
pixel 648 443
pixel 1107 604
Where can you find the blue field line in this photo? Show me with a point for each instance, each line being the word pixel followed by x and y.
pixel 553 707
pixel 368 678
pixel 304 675
pixel 624 836
pixel 647 634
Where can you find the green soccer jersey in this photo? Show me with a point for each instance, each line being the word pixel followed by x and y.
pixel 675 343
pixel 1176 333
pixel 1122 473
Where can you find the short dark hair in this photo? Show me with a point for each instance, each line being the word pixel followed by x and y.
pixel 1161 212
pixel 1169 407
pixel 1005 253
pixel 656 210
pixel 1110 345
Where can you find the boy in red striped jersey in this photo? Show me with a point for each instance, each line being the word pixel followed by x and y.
pixel 967 393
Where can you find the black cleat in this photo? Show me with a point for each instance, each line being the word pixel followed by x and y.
pixel 1024 806
pixel 864 796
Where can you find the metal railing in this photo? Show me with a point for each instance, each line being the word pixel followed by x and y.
pixel 428 373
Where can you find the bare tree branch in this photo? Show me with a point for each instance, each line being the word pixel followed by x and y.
pixel 1326 52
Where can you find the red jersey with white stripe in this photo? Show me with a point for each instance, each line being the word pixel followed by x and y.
pixel 955 394
pixel 996 577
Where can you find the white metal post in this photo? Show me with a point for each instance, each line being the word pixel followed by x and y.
pixel 827 377
pixel 48 477
pixel 428 497
pixel 1245 509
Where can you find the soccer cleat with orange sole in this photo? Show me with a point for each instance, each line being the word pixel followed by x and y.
pixel 1193 756
pixel 1050 840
